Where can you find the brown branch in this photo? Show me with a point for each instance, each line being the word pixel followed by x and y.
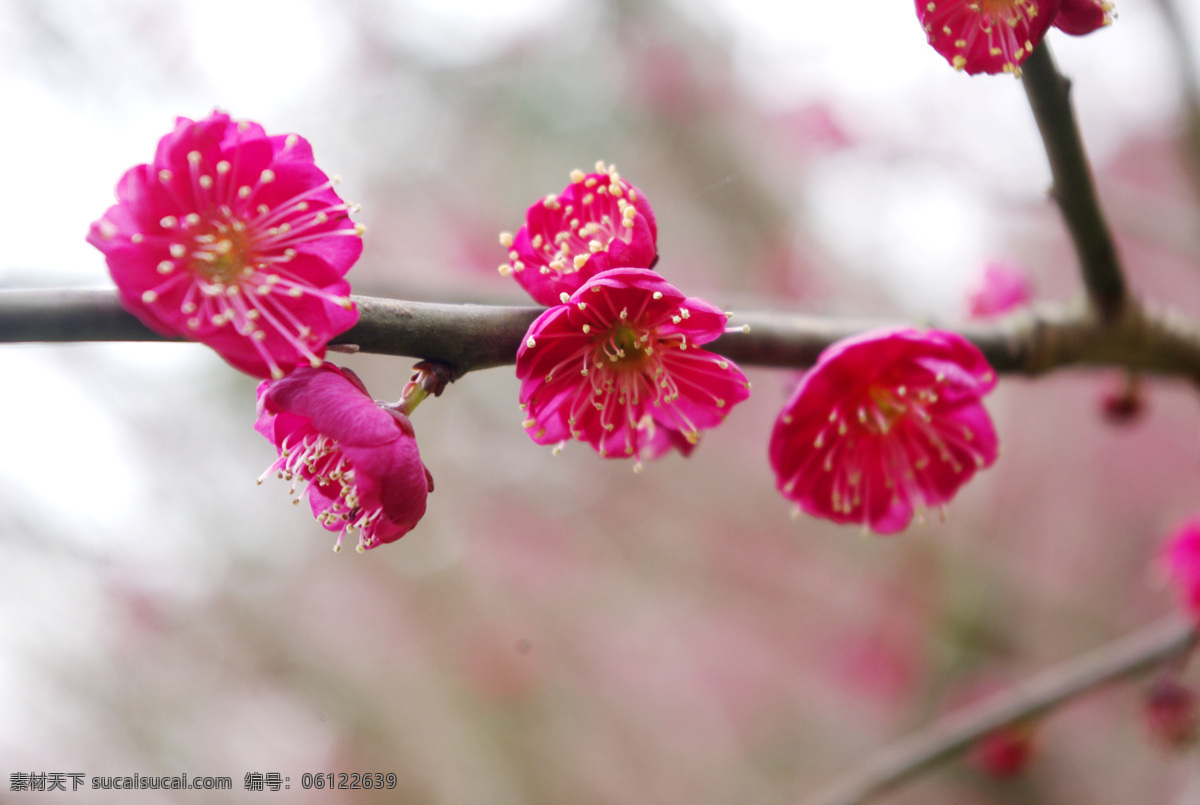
pixel 1049 96
pixel 944 739
pixel 470 337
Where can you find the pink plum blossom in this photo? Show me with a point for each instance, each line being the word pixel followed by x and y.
pixel 618 366
pixel 357 458
pixel 1005 752
pixel 996 36
pixel 599 221
pixel 1181 558
pixel 1078 17
pixel 883 424
pixel 234 239
pixel 1001 288
pixel 986 36
pixel 1170 712
pixel 1124 401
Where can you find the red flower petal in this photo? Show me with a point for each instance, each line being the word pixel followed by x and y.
pixel 1078 17
pixel 359 461
pixel 882 424
pixel 986 36
pixel 596 223
pixel 236 240
pixel 617 366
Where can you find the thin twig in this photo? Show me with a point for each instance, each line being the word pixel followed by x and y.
pixel 945 738
pixel 1049 96
pixel 471 337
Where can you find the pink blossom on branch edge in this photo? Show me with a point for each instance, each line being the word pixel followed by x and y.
pixel 234 239
pixel 618 366
pixel 599 221
pixel 996 36
pixel 1000 289
pixel 1079 17
pixel 986 36
pixel 1006 752
pixel 1181 560
pixel 883 424
pixel 358 459
pixel 1171 714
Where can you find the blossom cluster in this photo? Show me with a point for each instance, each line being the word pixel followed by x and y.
pixel 236 239
pixel 616 361
pixel 884 425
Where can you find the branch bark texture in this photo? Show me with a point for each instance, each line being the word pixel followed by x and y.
pixel 471 337
pixel 946 738
pixel 1049 94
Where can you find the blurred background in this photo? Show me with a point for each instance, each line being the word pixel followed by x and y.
pixel 558 629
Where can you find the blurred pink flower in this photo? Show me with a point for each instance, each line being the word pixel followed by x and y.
pixel 1181 558
pixel 883 423
pixel 815 127
pixel 358 459
pixel 1171 713
pixel 234 239
pixel 877 667
pixel 1078 17
pixel 1005 752
pixel 1124 402
pixel 1001 288
pixel 499 664
pixel 617 366
pixel 986 36
pixel 599 221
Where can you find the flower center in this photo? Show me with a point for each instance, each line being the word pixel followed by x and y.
pixel 1009 10
pixel 221 254
pixel 316 459
pixel 624 349
pixel 886 411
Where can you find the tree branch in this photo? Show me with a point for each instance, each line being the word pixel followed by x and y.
pixel 470 337
pixel 1049 96
pixel 952 734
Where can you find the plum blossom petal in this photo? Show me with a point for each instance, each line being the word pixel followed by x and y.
pixel 883 424
pixel 1005 752
pixel 1171 712
pixel 235 239
pixel 618 366
pixel 357 459
pixel 1124 401
pixel 599 221
pixel 1079 17
pixel 1181 559
pixel 986 36
pixel 1002 288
